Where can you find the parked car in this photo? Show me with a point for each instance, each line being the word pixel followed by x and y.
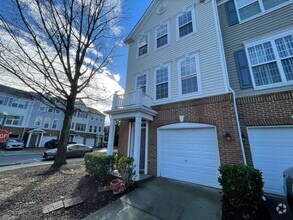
pixel 53 143
pixel 10 144
pixel 73 150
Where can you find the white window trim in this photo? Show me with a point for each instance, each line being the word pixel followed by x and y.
pixel 168 36
pixel 263 11
pixel 49 119
pixel 42 105
pixel 199 86
pixel 148 45
pixel 278 59
pixel 169 83
pixel 57 121
pixel 41 120
pixel 141 74
pixel 192 9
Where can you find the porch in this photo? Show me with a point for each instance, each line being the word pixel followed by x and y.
pixel 133 108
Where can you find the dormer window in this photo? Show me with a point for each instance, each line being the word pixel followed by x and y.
pixel 143 45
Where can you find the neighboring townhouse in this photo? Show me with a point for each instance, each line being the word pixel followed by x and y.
pixel 36 121
pixel 15 110
pixel 177 116
pixel 258 43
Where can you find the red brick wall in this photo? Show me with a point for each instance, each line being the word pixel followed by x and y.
pixel 264 110
pixel 123 138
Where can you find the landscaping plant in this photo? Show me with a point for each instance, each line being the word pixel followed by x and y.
pixel 126 169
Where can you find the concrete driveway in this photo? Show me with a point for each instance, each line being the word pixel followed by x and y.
pixel 164 199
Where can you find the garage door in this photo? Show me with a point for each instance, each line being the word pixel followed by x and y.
pixel 90 141
pixel 45 139
pixel 272 153
pixel 78 139
pixel 189 155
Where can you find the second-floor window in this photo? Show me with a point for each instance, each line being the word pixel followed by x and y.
pixel 47 122
pixel 143 45
pixel 91 128
pixel 185 23
pixel 141 82
pixel 250 8
pixel 38 121
pixel 55 124
pixel 80 127
pixel 271 61
pixel 162 83
pixel 100 129
pixel 16 120
pixel 162 35
pixel 188 75
pixel 95 130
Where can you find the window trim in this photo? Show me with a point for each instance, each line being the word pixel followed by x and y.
pixel 41 120
pixel 56 123
pixel 44 106
pixel 271 39
pixel 139 75
pixel 169 83
pixel 168 35
pixel 49 124
pixel 192 9
pixel 263 11
pixel 148 44
pixel 199 86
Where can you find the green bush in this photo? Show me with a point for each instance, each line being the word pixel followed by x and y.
pixel 99 164
pixel 126 169
pixel 242 185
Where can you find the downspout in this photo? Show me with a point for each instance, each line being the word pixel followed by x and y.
pixel 225 75
pixel 238 126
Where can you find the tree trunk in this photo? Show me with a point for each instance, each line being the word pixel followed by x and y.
pixel 60 158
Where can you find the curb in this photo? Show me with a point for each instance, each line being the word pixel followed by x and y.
pixel 10 164
pixel 20 154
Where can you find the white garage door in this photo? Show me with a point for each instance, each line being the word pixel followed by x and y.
pixel 78 139
pixel 190 155
pixel 45 139
pixel 272 153
pixel 90 141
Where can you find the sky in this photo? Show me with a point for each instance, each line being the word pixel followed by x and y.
pixel 134 10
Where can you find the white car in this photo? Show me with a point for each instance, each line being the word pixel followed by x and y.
pixel 10 144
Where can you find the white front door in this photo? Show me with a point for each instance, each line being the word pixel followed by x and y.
pixel 272 153
pixel 190 155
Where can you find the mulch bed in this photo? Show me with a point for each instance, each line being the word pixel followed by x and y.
pixel 24 192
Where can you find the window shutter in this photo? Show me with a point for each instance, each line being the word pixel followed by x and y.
pixel 243 69
pixel 231 13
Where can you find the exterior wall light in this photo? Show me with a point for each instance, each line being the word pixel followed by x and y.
pixel 228 136
pixel 181 118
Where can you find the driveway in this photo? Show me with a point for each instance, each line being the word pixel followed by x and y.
pixel 164 199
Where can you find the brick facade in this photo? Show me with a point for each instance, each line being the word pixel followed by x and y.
pixel 264 110
pixel 216 110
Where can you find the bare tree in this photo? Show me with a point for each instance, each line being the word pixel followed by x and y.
pixel 56 47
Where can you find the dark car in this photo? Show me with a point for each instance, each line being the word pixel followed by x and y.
pixel 73 150
pixel 53 143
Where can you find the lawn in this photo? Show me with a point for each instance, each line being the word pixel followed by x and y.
pixel 24 192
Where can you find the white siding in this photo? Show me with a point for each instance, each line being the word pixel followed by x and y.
pixel 203 42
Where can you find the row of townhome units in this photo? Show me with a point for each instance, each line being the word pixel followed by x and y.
pixel 28 118
pixel 208 82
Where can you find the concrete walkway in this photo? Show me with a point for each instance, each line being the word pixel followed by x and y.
pixel 166 200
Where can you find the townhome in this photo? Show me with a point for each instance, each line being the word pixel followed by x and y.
pixel 177 116
pixel 258 43
pixel 36 121
pixel 15 110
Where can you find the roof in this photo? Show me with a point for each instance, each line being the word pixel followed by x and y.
pixel 15 92
pixel 95 111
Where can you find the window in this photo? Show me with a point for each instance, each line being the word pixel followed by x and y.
pixel 100 129
pixel 162 83
pixel 57 111
pixel 162 35
pixel 185 23
pixel 23 104
pixel 47 122
pixel 55 124
pixel 141 82
pixel 91 128
pixel 38 121
pixel 143 45
pixel 250 8
pixel 188 75
pixel 80 127
pixel 82 114
pixel 2 99
pixel 42 108
pixel 50 109
pixel 271 61
pixel 72 125
pixel 95 130
pixel 16 120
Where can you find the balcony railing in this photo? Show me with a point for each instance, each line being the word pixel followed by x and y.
pixel 132 99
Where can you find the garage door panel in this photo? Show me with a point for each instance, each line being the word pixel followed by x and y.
pixel 272 153
pixel 189 155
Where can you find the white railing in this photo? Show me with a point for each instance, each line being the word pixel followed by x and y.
pixel 136 99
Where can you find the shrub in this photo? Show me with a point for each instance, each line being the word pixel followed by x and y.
pixel 126 169
pixel 242 185
pixel 99 164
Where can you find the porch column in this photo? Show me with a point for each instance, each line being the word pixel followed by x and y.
pixel 39 144
pixel 137 137
pixel 28 140
pixel 111 137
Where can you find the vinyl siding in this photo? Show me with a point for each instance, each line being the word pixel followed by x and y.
pixel 235 36
pixel 203 42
